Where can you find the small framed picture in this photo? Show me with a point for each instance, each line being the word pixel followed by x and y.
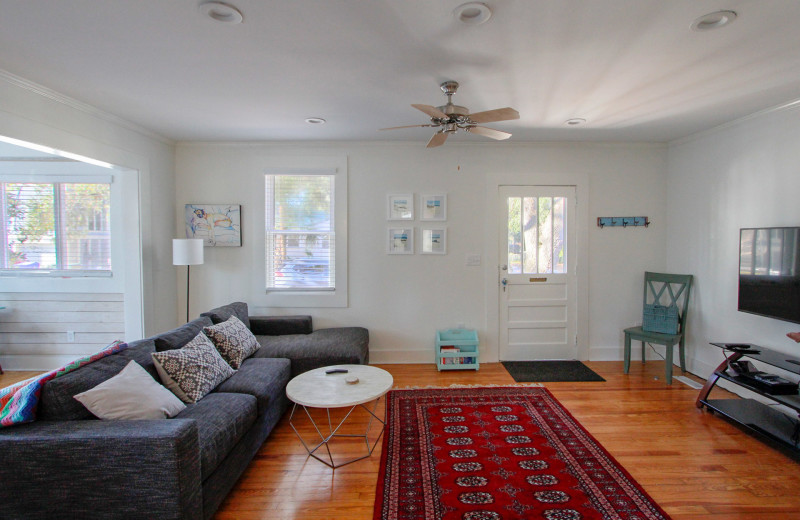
pixel 434 241
pixel 400 207
pixel 433 207
pixel 400 241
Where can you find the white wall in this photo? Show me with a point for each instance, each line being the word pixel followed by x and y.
pixel 745 174
pixel 35 114
pixel 404 299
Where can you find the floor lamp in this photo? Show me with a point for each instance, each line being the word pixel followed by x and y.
pixel 188 252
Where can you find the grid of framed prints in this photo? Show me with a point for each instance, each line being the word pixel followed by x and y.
pixel 400 237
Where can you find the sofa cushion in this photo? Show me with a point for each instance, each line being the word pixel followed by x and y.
pixel 193 371
pixel 132 394
pixel 221 314
pixel 323 347
pixel 57 402
pixel 177 338
pixel 280 325
pixel 263 378
pixel 233 340
pixel 222 420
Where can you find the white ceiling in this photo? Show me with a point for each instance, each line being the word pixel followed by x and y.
pixel 633 68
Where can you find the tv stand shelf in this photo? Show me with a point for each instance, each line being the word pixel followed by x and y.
pixel 756 416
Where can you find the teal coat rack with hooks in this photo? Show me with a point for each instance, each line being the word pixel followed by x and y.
pixel 622 221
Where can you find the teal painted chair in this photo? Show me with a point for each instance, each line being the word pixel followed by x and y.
pixel 666 290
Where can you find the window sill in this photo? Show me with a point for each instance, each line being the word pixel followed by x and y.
pixel 43 273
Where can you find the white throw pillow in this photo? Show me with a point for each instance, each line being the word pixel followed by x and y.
pixel 131 394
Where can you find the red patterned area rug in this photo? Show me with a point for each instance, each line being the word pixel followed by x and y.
pixel 498 453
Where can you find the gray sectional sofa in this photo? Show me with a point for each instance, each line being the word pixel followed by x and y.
pixel 68 464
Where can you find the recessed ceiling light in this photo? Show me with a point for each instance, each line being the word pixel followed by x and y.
pixel 472 13
pixel 575 121
pixel 221 12
pixel 714 20
pixel 315 121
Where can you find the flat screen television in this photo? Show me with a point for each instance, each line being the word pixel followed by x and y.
pixel 769 272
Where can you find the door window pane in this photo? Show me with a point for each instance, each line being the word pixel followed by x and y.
pixel 514 235
pixel 559 235
pixel 537 230
pixel 530 234
pixel 545 264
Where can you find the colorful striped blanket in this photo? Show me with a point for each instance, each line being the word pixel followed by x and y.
pixel 18 402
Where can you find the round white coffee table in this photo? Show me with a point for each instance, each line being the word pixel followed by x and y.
pixel 319 389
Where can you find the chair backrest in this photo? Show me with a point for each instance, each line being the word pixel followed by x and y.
pixel 669 289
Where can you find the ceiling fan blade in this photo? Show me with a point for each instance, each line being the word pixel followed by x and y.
pixel 488 132
pixel 492 116
pixel 438 139
pixel 399 127
pixel 431 111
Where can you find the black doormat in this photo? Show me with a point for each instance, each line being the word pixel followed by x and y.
pixel 550 371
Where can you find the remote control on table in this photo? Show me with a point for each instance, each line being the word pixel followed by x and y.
pixel 336 371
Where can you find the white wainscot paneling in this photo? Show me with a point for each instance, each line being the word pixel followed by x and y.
pixel 41 331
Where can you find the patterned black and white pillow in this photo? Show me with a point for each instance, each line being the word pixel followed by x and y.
pixel 192 371
pixel 233 340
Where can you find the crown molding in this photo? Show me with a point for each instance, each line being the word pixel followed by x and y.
pixel 41 90
pixel 786 107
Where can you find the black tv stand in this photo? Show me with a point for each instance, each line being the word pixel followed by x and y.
pixel 754 415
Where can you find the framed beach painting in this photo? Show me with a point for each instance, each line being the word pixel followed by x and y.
pixel 433 207
pixel 218 225
pixel 400 241
pixel 400 207
pixel 434 241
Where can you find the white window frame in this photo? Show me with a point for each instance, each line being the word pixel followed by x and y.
pixel 336 297
pixel 66 178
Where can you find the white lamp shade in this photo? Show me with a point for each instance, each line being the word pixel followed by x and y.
pixel 187 251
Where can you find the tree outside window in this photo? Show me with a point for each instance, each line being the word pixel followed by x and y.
pixel 300 238
pixel 55 226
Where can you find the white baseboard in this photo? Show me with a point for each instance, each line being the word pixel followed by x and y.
pixel 615 353
pixel 41 363
pixel 605 353
pixel 392 357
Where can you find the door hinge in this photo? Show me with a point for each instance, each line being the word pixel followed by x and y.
pixel 576 339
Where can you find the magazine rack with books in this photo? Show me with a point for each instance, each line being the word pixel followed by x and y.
pixel 457 349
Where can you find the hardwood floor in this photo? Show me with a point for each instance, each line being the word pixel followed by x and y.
pixel 694 464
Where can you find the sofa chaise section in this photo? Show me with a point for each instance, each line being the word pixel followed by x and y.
pixel 293 338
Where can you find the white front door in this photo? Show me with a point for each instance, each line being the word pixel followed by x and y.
pixel 537 274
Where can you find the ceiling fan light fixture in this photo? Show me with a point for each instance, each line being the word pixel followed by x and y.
pixel 714 20
pixel 315 121
pixel 575 121
pixel 221 12
pixel 472 13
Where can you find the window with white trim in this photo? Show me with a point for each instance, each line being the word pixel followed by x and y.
pixel 62 226
pixel 300 232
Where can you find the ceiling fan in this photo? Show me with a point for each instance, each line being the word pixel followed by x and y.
pixel 449 118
